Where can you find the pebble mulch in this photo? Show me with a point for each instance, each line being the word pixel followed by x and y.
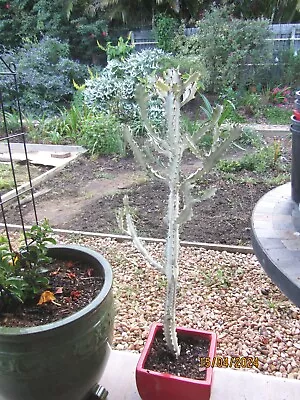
pixel 228 293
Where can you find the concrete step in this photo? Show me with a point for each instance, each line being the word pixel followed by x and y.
pixel 228 384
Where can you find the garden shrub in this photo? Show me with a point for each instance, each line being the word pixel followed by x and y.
pixel 252 104
pixel 63 128
pixel 45 75
pixel 226 45
pixel 278 95
pixel 186 65
pixel 233 100
pixel 262 160
pixel 113 91
pixel 278 115
pixel 165 28
pixel 83 35
pixel 121 50
pixel 289 68
pixel 250 137
pixel 267 104
pixel 101 134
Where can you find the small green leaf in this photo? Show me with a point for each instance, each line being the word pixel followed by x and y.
pixel 50 240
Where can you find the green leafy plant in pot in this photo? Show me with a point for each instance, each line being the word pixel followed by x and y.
pixel 63 359
pixel 162 157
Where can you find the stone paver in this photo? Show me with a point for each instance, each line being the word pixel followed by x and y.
pixel 276 239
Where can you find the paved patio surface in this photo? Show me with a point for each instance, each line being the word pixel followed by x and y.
pixel 119 380
pixel 276 241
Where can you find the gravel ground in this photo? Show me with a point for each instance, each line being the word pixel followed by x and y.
pixel 219 291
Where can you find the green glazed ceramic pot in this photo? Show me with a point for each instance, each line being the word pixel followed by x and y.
pixel 65 359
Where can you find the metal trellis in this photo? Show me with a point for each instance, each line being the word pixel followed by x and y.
pixel 9 100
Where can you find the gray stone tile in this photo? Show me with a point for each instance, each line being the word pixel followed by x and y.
pixel 268 244
pixel 284 208
pixel 284 224
pixel 274 234
pixel 251 386
pixel 285 255
pixel 292 244
pixel 262 224
pixel 277 247
pixel 262 217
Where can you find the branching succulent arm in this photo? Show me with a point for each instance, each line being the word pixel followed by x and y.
pixel 214 156
pixel 171 145
pixel 131 231
pixel 140 156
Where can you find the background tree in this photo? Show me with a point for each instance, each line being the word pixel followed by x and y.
pixel 143 11
pixel 277 11
pixel 80 25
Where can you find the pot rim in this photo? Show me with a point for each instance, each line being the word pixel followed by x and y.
pixel 294 120
pixel 108 276
pixel 156 326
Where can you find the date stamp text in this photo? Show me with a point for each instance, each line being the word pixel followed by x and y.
pixel 229 362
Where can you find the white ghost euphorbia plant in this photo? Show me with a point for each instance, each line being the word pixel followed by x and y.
pixel 169 146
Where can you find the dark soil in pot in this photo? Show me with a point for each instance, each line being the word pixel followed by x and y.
pixel 74 286
pixel 64 359
pixel 187 365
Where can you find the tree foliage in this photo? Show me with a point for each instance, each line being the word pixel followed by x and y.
pixel 79 24
pixel 82 22
pixel 45 76
pixel 227 46
pixel 277 11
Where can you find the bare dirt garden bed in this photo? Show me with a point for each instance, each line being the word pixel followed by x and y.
pixel 87 193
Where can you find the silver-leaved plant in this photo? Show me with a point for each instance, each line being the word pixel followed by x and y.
pixel 168 147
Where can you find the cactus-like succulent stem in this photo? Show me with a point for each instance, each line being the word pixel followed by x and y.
pixel 159 144
pixel 214 156
pixel 187 211
pixel 169 318
pixel 131 231
pixel 175 93
pixel 141 157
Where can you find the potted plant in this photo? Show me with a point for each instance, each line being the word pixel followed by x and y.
pixel 63 359
pixel 296 110
pixel 162 157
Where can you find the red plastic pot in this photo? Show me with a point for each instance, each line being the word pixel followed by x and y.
pixel 297 114
pixel 163 386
